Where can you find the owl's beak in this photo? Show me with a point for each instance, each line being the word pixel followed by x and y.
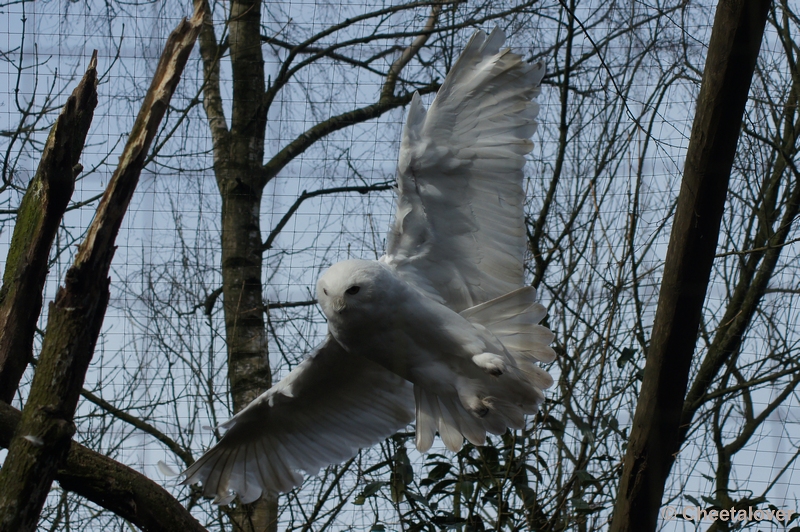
pixel 339 304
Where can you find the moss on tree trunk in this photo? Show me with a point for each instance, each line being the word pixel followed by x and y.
pixel 37 222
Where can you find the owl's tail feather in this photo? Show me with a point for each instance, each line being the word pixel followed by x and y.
pixel 449 417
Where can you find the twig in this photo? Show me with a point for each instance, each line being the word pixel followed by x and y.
pixel 386 185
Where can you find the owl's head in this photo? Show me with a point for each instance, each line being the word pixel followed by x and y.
pixel 352 285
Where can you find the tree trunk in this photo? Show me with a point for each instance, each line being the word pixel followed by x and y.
pixel 241 183
pixel 238 162
pixel 733 49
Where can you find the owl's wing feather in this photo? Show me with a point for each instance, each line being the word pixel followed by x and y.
pixel 327 408
pixel 459 231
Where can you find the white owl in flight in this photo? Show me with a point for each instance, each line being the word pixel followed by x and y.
pixel 442 322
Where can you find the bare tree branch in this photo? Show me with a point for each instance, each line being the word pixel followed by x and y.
pixel 322 192
pixel 141 425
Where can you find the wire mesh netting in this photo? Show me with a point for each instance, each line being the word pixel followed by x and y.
pixel 601 185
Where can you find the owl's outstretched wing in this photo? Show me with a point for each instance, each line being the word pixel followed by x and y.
pixel 321 413
pixel 459 231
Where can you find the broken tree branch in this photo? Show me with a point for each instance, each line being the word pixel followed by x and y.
pixel 45 431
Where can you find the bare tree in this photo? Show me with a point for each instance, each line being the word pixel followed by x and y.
pixel 276 159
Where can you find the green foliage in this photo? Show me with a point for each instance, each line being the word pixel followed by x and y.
pixel 496 486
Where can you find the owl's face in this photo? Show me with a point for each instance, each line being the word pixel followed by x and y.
pixel 351 287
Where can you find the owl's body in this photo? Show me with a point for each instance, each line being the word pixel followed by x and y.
pixel 457 363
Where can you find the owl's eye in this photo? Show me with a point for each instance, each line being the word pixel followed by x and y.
pixel 353 290
pixel 325 291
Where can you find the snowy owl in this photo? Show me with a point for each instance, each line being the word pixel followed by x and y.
pixel 440 328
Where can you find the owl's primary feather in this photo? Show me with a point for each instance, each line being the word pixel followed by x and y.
pixel 440 328
pixel 322 412
pixel 459 230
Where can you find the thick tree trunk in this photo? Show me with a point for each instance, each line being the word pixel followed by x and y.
pixel 241 183
pixel 36 225
pixel 733 49
pixel 45 431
